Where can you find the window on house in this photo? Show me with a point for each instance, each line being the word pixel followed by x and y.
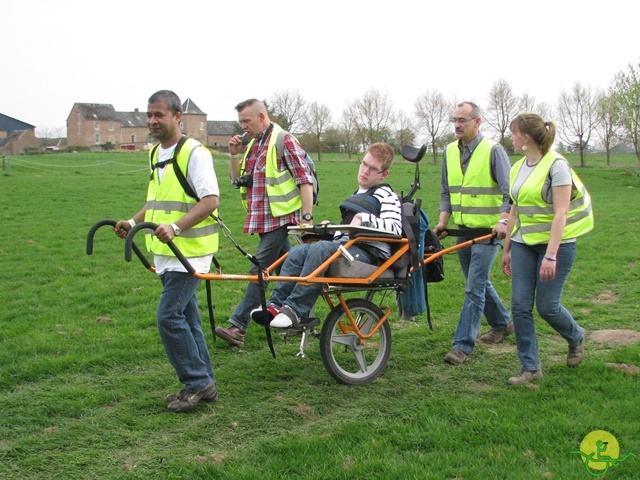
pixel 96 125
pixel 201 125
pixel 133 138
pixel 97 139
pixel 111 126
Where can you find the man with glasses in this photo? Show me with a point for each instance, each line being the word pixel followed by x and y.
pixel 373 205
pixel 475 195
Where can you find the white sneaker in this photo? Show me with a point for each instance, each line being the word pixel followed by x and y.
pixel 287 318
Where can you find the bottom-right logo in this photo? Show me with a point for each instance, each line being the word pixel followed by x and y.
pixel 599 451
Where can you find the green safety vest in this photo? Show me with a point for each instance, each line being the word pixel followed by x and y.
pixel 535 214
pixel 282 190
pixel 476 198
pixel 167 202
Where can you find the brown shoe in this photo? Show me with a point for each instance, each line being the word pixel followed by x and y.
pixel 188 401
pixel 455 357
pixel 496 336
pixel 525 377
pixel 211 397
pixel 233 335
pixel 576 354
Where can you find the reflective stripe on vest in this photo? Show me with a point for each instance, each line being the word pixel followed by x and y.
pixel 167 203
pixel 282 190
pixel 535 215
pixel 476 198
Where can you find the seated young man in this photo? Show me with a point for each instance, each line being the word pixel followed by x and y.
pixel 374 205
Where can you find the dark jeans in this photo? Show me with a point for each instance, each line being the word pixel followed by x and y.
pixel 271 247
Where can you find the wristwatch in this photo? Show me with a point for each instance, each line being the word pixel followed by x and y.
pixel 307 216
pixel 176 230
pixel 504 220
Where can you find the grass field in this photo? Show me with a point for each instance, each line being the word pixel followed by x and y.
pixel 83 373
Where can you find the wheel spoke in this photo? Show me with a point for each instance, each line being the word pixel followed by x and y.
pixel 361 360
pixel 344 339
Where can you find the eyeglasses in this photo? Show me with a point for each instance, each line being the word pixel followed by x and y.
pixel 369 167
pixel 461 120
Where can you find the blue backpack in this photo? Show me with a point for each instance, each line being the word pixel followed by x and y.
pixel 414 300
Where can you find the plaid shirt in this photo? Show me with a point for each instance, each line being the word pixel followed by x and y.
pixel 259 217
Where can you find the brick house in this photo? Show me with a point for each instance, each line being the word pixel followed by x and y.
pixel 94 124
pixel 16 135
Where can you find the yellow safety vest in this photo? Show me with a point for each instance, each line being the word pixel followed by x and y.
pixel 167 202
pixel 282 191
pixel 535 214
pixel 476 198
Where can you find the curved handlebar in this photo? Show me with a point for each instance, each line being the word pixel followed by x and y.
pixel 113 223
pixel 92 232
pixel 129 244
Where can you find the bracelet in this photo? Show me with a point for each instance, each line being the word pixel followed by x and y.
pixel 132 222
pixel 233 156
pixel 551 259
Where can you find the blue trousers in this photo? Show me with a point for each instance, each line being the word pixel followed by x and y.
pixel 180 328
pixel 303 260
pixel 526 288
pixel 480 297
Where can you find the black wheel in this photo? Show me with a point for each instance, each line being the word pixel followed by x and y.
pixel 343 355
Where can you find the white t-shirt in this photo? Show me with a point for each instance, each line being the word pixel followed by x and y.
pixel 202 178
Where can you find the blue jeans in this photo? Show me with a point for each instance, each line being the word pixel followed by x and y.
pixel 302 261
pixel 526 286
pixel 479 295
pixel 180 328
pixel 271 247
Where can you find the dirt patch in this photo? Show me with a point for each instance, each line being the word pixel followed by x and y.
pixel 606 297
pixel 628 368
pixel 615 337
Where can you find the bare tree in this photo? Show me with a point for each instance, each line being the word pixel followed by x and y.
pixel 608 120
pixel 433 112
pixel 51 132
pixel 317 121
pixel 578 118
pixel 626 95
pixel 349 129
pixel 405 133
pixel 290 108
pixel 502 107
pixel 374 117
pixel 529 103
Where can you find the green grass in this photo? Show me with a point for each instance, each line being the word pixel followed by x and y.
pixel 83 374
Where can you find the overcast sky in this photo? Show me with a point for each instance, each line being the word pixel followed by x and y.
pixel 332 51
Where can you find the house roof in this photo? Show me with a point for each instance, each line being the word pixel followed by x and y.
pixel 221 127
pixel 9 124
pixel 189 107
pixel 98 111
pixel 133 119
pixel 15 136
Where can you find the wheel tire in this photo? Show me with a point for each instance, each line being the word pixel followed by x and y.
pixel 342 356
